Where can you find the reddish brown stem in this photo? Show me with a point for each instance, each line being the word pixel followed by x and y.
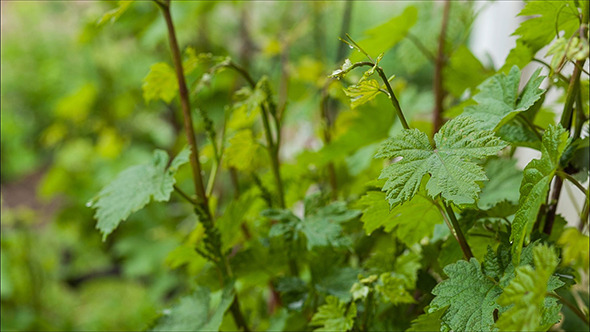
pixel 439 63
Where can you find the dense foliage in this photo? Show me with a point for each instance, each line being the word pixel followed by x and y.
pixel 267 181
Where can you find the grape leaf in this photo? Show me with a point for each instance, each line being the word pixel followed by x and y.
pixel 114 14
pixel 334 316
pixel 504 183
pixel 395 286
pixel 469 295
pixel 362 92
pixel 243 152
pixel 323 228
pixel 499 100
pixel 575 248
pixel 428 322
pixel 385 36
pixel 525 295
pixel 193 313
pixel 454 175
pixel 134 188
pixel 535 184
pixel 463 71
pixel 411 221
pixel 160 83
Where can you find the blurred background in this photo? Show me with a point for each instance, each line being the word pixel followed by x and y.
pixel 73 116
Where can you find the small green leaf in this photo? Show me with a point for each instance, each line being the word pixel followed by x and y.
pixel 499 100
pixel 134 188
pixel 504 183
pixel 160 83
pixel 362 93
pixel 334 316
pixel 535 185
pixel 428 322
pixel 243 152
pixel 464 71
pixel 454 174
pixel 575 248
pixel 193 313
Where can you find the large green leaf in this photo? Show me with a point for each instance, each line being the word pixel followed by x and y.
pixel 470 296
pixel 499 100
pixel 135 187
pixel 535 185
pixel 450 163
pixel 193 313
pixel 411 221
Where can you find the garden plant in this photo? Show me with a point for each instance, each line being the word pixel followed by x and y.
pixel 402 208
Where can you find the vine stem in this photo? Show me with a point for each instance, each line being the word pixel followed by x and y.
pixel 571 306
pixel 194 157
pixel 439 64
pixel 455 229
pixel 185 105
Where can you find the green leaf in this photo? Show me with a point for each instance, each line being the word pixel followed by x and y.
pixel 535 185
pixel 396 285
pixel 385 36
pixel 499 100
pixel 504 183
pixel 362 93
pixel 411 221
pixel 114 14
pixel 334 316
pixel 193 313
pixel 575 248
pixel 454 174
pixel 428 322
pixel 525 295
pixel 160 83
pixel 323 227
pixel 134 188
pixel 243 152
pixel 548 17
pixel 463 71
pixel 469 295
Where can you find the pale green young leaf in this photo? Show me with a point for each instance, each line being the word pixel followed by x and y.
pixel 499 100
pixel 243 152
pixel 469 295
pixel 362 92
pixel 385 36
pixel 454 174
pixel 114 14
pixel 194 312
pixel 134 188
pixel 576 248
pixel 535 185
pixel 393 288
pixel 160 83
pixel 411 221
pixel 334 316
pixel 525 295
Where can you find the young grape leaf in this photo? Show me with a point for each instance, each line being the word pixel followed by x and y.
pixel 535 184
pixel 114 14
pixel 334 316
pixel 529 309
pixel 134 188
pixel 575 248
pixel 362 92
pixel 395 286
pixel 323 227
pixel 411 221
pixel 193 313
pixel 454 174
pixel 470 296
pixel 160 83
pixel 243 152
pixel 499 101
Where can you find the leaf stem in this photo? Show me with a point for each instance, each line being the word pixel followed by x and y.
pixel 439 64
pixel 575 182
pixel 455 229
pixel 185 195
pixel 394 101
pixel 530 125
pixel 571 306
